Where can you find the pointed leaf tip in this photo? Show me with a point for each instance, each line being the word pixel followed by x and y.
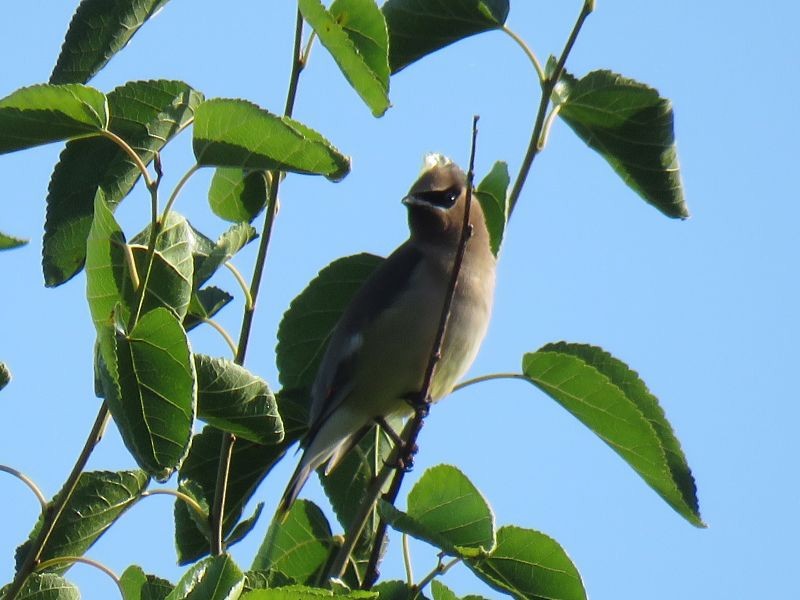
pixel 354 32
pixel 420 27
pixel 631 126
pixel 612 401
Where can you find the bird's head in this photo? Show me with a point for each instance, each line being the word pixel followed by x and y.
pixel 437 200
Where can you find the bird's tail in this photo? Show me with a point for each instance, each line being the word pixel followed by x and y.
pixel 308 464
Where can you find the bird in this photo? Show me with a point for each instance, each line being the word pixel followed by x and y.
pixel 379 350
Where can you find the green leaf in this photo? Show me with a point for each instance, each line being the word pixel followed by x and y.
pixel 299 592
pixel 250 463
pixel 492 193
pixel 171 276
pixel 47 586
pixel 420 27
pixel 214 578
pixel 529 565
pixel 354 32
pixel 150 386
pixel 237 133
pixel 147 115
pixel 631 126
pixel 226 247
pixel 612 401
pixel 306 326
pixel 41 114
pixel 299 545
pixel 137 585
pixel 5 376
pixel 100 497
pixel 98 30
pixel 231 398
pixel 262 580
pixel 446 510
pixel 238 195
pixel 205 303
pixel 440 591
pixel 244 527
pixel 107 270
pixel 7 242
pixel 397 590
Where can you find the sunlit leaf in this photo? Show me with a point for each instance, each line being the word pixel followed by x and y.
pixel 108 278
pixel 440 591
pixel 419 27
pixel 297 546
pixel 98 30
pixel 446 510
pixel 169 284
pixel 47 586
pixel 492 193
pixel 100 497
pixel 612 401
pixel 237 133
pixel 631 126
pixel 529 565
pixel 137 585
pixel 8 242
pixel 299 592
pixel 238 195
pixel 213 578
pixel 41 114
pixel 354 32
pixel 231 398
pixel 147 115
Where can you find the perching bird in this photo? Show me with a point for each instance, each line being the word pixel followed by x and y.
pixel 379 350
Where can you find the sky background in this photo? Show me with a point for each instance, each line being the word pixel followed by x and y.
pixel 705 310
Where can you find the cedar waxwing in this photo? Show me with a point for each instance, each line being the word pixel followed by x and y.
pixel 379 350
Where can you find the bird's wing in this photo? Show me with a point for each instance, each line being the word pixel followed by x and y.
pixel 384 285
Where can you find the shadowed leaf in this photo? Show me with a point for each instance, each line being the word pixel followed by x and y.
pixel 307 324
pixel 137 585
pixel 631 127
pixel 420 27
pixel 98 30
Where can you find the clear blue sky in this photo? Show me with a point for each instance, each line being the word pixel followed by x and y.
pixel 705 310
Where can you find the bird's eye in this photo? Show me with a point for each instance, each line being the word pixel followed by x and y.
pixel 440 198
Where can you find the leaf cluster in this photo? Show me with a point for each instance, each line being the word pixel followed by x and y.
pixel 211 424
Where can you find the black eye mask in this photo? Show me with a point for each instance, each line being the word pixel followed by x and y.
pixel 441 198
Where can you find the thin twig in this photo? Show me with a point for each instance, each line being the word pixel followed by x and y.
pixel 190 502
pixel 29 482
pixel 547 91
pixel 440 569
pixel 51 562
pixel 53 513
pixel 489 377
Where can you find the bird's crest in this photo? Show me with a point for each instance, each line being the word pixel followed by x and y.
pixel 434 159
